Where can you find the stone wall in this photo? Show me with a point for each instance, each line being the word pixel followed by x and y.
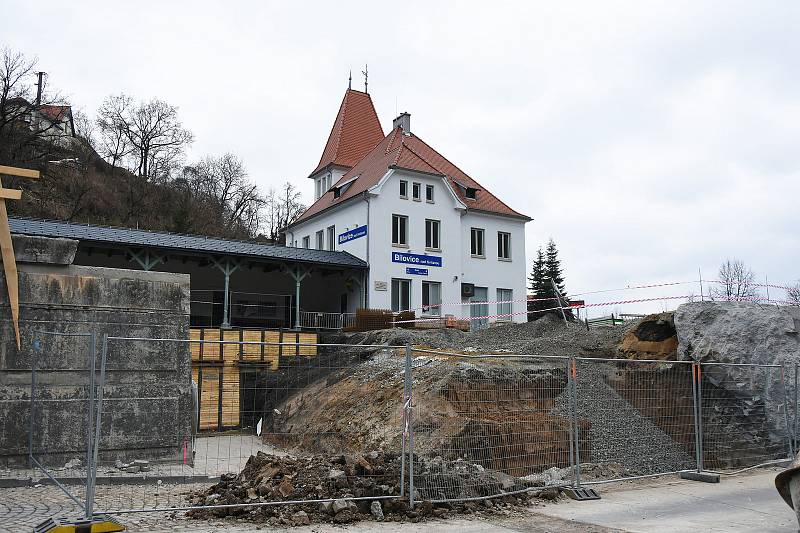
pixel 147 406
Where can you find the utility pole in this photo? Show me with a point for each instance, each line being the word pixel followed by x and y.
pixel 558 295
pixel 39 88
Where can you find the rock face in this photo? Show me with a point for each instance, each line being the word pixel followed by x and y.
pixel 745 408
pixel 738 332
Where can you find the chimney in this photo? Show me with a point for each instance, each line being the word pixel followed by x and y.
pixel 404 121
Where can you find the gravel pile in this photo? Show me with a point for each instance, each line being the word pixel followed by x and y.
pixel 549 335
pixel 620 435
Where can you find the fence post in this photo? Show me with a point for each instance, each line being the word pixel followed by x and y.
pixel 37 348
pixel 89 424
pixel 697 394
pixel 406 424
pixel 92 474
pixel 697 415
pixel 409 422
pixel 572 376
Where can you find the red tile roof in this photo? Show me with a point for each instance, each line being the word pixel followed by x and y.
pixel 355 132
pixel 407 151
pixel 55 113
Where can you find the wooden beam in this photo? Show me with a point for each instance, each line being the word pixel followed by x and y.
pixel 10 194
pixel 21 172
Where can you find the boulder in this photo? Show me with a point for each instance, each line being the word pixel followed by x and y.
pixel 744 406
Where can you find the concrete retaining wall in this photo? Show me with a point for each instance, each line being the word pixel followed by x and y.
pixel 147 407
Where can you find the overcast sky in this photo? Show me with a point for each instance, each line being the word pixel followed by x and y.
pixel 649 139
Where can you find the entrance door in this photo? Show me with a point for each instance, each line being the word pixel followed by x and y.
pixel 479 310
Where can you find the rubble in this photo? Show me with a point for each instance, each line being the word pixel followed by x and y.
pixel 350 496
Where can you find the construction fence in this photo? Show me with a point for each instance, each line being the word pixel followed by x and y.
pixel 320 423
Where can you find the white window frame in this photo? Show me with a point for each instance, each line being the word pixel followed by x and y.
pixel 396 295
pixel 504 246
pixel 505 295
pixel 319 242
pixel 307 242
pixel 402 236
pixel 475 250
pixel 331 238
pixel 429 189
pixel 429 307
pixel 416 191
pixel 404 185
pixel 434 244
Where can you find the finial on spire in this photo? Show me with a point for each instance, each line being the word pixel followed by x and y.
pixel 350 80
pixel 365 72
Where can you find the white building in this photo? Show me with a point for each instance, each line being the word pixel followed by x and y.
pixel 433 237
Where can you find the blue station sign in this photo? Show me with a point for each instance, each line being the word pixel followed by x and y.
pixel 413 271
pixel 355 233
pixel 416 259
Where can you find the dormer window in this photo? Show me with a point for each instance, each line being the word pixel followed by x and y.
pixel 341 189
pixel 470 193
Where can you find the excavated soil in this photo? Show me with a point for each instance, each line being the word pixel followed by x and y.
pixel 354 487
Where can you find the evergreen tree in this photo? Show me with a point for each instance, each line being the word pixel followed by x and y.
pixel 553 267
pixel 546 266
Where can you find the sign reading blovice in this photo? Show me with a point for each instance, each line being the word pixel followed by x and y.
pixel 416 271
pixel 416 259
pixel 355 233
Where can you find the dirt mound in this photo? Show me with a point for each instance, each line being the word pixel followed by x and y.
pixel 653 337
pixel 341 480
pixel 549 335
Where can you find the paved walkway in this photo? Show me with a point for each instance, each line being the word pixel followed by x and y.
pixel 747 503
pixel 744 503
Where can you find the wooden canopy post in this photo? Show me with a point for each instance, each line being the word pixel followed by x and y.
pixel 6 246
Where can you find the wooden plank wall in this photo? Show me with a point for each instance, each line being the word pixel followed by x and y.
pixel 216 368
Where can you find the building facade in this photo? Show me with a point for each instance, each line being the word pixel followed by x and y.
pixel 434 239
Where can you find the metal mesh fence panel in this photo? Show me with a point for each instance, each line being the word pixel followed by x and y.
pixel 486 426
pixel 61 412
pixel 745 415
pixel 635 418
pixel 303 424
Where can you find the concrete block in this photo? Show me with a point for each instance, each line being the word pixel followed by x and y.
pixel 705 477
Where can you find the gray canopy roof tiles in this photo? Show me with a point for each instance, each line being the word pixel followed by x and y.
pixel 175 242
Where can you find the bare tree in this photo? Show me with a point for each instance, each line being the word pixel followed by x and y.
pixel 146 139
pixel 158 138
pixel 736 282
pixel 282 208
pixel 232 204
pixel 793 294
pixel 113 144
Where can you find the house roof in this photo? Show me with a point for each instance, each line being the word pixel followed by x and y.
pixel 407 151
pixel 175 242
pixel 55 112
pixel 355 132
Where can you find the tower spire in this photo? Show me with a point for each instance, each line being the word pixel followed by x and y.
pixel 350 80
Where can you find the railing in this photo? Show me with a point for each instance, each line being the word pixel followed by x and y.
pixel 330 321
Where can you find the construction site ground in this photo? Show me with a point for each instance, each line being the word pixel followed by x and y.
pixel 747 503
